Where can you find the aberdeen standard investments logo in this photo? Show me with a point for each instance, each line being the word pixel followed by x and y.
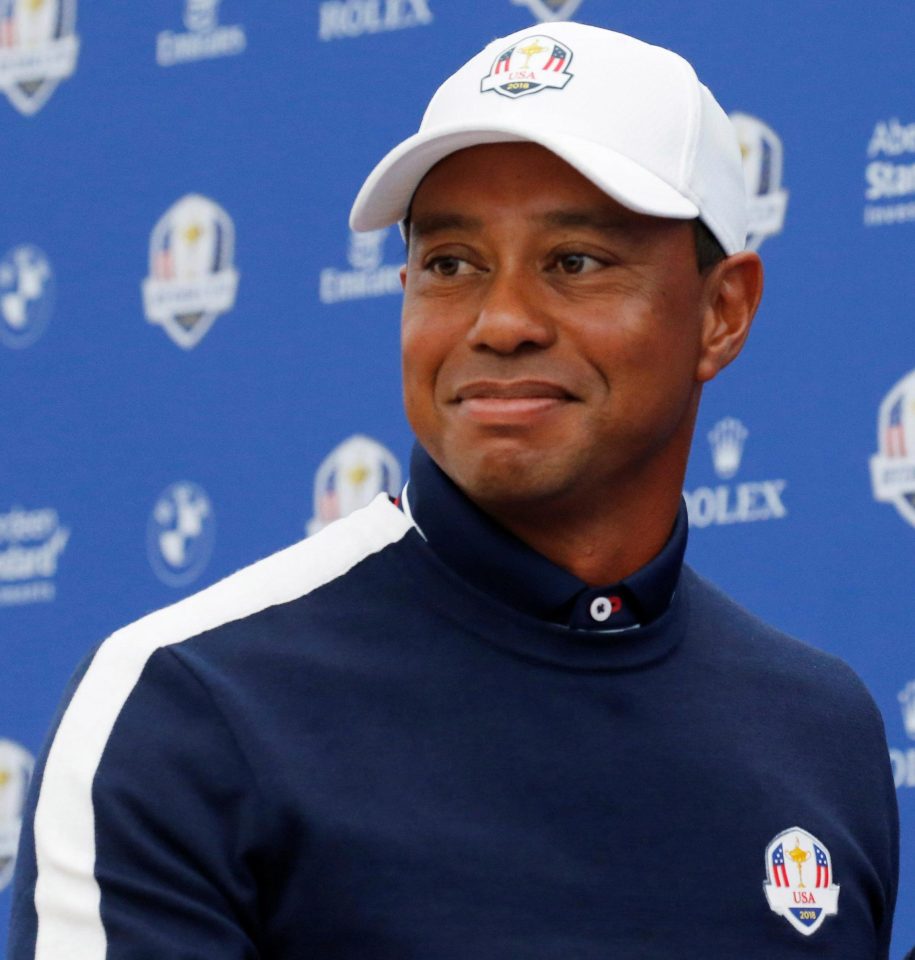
pixel 890 174
pixel 31 544
pixel 893 466
pixel 369 276
pixel 729 503
pixel 192 279
pixel 339 19
pixel 38 49
pixel 26 296
pixel 204 39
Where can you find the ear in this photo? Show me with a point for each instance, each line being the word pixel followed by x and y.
pixel 403 276
pixel 733 289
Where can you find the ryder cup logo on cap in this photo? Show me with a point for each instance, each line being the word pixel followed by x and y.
pixel 893 466
pixel 532 64
pixel 38 49
pixel 549 10
pixel 16 765
pixel 799 885
pixel 180 533
pixel 351 476
pixel 657 141
pixel 26 296
pixel 191 279
pixel 761 150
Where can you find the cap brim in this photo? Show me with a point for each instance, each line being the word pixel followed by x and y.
pixel 387 192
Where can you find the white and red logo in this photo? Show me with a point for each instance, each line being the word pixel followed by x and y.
pixel 893 466
pixel 799 884
pixel 532 64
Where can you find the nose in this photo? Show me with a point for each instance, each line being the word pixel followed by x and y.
pixel 510 318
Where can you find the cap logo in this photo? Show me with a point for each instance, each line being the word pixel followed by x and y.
pixel 532 64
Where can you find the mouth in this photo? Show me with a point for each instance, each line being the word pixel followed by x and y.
pixel 510 400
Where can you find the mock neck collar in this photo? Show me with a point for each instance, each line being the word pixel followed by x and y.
pixel 498 563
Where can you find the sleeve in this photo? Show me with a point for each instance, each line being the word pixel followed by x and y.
pixel 142 834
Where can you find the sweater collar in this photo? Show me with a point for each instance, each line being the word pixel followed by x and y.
pixel 499 564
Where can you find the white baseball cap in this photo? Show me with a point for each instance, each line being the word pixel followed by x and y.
pixel 631 117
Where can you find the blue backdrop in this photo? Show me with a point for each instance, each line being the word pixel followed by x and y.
pixel 199 363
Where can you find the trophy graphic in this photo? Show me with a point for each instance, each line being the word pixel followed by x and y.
pixel 800 857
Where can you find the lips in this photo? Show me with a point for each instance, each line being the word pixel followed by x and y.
pixel 510 401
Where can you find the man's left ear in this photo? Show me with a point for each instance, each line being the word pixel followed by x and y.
pixel 733 289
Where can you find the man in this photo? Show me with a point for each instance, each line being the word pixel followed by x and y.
pixel 499 720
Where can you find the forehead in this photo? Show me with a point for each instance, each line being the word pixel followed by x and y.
pixel 520 180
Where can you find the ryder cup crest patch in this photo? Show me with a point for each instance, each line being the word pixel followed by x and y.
pixel 535 63
pixel 799 884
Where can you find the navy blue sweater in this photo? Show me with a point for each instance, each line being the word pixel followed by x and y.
pixel 350 751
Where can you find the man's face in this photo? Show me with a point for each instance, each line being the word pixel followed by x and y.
pixel 551 337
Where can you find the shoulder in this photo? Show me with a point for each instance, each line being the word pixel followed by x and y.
pixel 751 648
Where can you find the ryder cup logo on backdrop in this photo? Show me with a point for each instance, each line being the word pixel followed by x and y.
pixel 799 882
pixel 180 533
pixel 727 503
pixel 16 765
pixel 350 477
pixel 550 10
pixel 531 65
pixel 893 466
pixel 38 49
pixel 903 761
pixel 761 150
pixel 353 18
pixel 26 296
pixel 191 279
pixel 890 174
pixel 369 276
pixel 204 39
pixel 31 545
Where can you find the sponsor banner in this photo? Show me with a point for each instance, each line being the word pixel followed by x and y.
pixel 350 477
pixel 369 277
pixel 180 534
pixel 549 10
pixel 31 545
pixel 38 49
pixel 203 39
pixel 761 151
pixel 342 19
pixel 16 765
pixel 889 176
pixel 728 503
pixel 27 294
pixel 192 278
pixel 893 466
pixel 903 758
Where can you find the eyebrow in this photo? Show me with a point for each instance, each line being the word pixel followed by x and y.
pixel 436 222
pixel 601 220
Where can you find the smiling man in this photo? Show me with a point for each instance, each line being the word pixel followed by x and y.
pixel 500 719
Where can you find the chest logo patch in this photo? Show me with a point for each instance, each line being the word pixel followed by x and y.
pixel 799 884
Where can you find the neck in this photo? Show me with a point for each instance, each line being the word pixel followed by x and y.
pixel 606 543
